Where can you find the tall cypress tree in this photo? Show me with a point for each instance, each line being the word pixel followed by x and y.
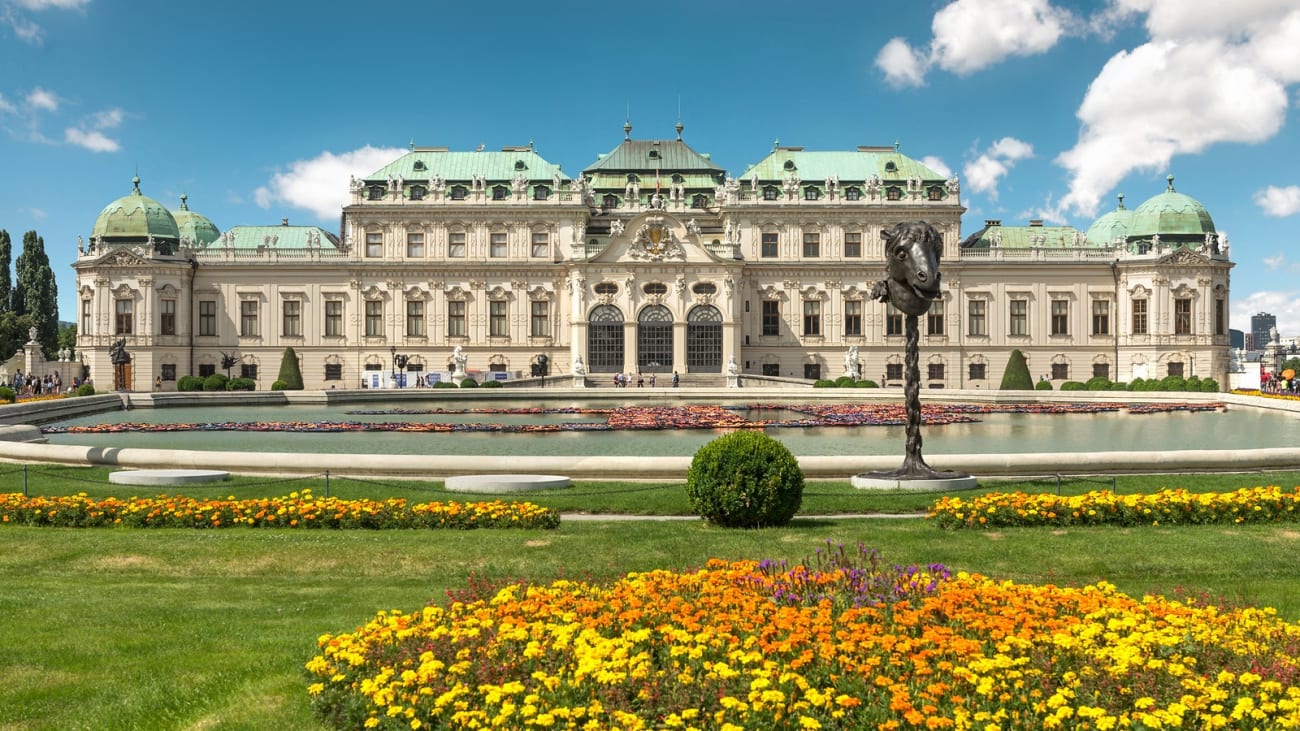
pixel 6 278
pixel 36 293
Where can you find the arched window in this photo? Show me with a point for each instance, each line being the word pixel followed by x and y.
pixel 704 339
pixel 654 340
pixel 605 340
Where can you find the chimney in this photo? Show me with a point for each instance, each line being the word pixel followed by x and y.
pixel 1036 222
pixel 991 222
pixel 284 222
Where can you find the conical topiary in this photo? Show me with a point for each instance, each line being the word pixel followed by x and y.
pixel 290 373
pixel 1016 377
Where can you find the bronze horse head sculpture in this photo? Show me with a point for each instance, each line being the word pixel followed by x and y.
pixel 912 252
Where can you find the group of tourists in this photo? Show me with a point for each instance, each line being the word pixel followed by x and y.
pixel 28 385
pixel 624 380
pixel 1278 383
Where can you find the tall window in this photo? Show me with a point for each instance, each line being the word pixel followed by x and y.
pixel 415 245
pixel 812 317
pixel 852 318
pixel 248 319
pixel 456 245
pixel 978 371
pixel 167 317
pixel 497 242
pixel 125 317
pixel 1060 371
pixel 812 245
pixel 456 319
pixel 893 320
pixel 1139 317
pixel 168 372
pixel 539 323
pixel 770 245
pixel 1019 321
pixel 893 371
pixel 414 318
pixel 541 244
pixel 1220 316
pixel 1060 317
pixel 934 371
pixel 374 318
pixel 374 244
pixel 976 318
pixel 1100 317
pixel 85 316
pixel 853 244
pixel 292 311
pixel 207 317
pixel 1182 316
pixel 333 318
pixel 934 318
pixel 498 327
pixel 771 317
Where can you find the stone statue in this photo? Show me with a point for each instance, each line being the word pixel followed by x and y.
pixel 31 335
pixel 616 228
pixel 732 367
pixel 579 368
pixel 1272 335
pixel 851 362
pixel 692 227
pixel 460 359
pixel 912 251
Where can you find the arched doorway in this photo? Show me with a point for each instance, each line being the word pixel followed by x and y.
pixel 704 340
pixel 605 340
pixel 654 340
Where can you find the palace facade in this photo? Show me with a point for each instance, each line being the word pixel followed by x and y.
pixel 654 259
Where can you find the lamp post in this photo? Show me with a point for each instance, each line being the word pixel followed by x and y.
pixel 399 362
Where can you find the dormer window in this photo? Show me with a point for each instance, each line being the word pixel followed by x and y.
pixel 700 201
pixel 609 202
pixel 654 155
pixel 419 165
pixel 770 193
pixel 376 192
pixel 811 194
pixel 894 193
pixel 934 193
pixel 417 192
pixel 519 165
pixel 499 192
pixel 677 178
pixel 891 167
pixel 541 193
pixel 459 192
pixel 852 194
pixel 789 165
pixel 632 178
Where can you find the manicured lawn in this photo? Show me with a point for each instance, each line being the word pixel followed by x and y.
pixel 166 629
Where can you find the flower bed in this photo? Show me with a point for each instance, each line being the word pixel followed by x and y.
pixel 751 645
pixel 1166 507
pixel 296 510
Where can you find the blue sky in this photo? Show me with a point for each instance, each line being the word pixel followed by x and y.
pixel 1044 108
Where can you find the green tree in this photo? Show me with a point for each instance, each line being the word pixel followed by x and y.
pixel 35 291
pixel 68 337
pixel 290 373
pixel 1016 377
pixel 13 332
pixel 6 264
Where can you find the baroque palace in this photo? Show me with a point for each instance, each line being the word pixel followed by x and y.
pixel 652 260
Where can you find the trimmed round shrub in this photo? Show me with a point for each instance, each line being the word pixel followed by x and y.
pixel 86 389
pixel 241 384
pixel 1193 384
pixel 1209 385
pixel 868 383
pixel 444 384
pixel 215 382
pixel 823 383
pixel 7 395
pixel 1117 386
pixel 189 383
pixel 745 479
pixel 491 384
pixel 469 383
pixel 279 385
pixel 1173 383
pixel 1137 384
pixel 1043 385
pixel 844 382
pixel 1097 383
pixel 1074 386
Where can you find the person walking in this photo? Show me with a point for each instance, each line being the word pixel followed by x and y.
pixel 676 379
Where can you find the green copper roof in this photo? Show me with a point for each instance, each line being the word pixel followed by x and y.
pixel 282 238
pixel 848 166
pixel 425 163
pixel 1112 226
pixel 646 156
pixel 194 226
pixel 1171 214
pixel 135 217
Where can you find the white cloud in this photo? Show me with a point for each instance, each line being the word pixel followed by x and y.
pixel 1279 202
pixel 937 164
pixel 1275 262
pixel 25 29
pixel 320 184
pixel 92 140
pixel 902 65
pixel 983 173
pixel 43 99
pixel 6 106
pixel 56 4
pixel 108 119
pixel 1283 305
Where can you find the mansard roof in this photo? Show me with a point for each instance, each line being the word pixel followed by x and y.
pixel 886 163
pixel 282 237
pixel 423 163
pixel 647 156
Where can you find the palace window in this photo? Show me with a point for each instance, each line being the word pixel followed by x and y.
pixel 541 193
pixel 85 316
pixel 655 289
pixel 934 371
pixel 417 193
pixel 456 245
pixel 1019 317
pixel 168 372
pixel 541 244
pixel 771 317
pixel 812 371
pixel 852 318
pixel 248 326
pixel 1182 316
pixel 124 323
pixel 376 192
pixel 1139 317
pixel 706 288
pixel 497 245
pixel 978 371
pixel 771 247
pixel 540 320
pixel 853 244
pixel 811 194
pixel 1100 317
pixel 207 369
pixel 699 200
pixel 498 327
pixel 248 370
pixel 292 317
pixel 167 317
pixel 333 371
pixel 1176 368
pixel 934 193
pixel 1060 371
pixel 459 192
pixel 852 193
pixel 207 317
pixel 333 318
pixel 771 193
pixel 414 318
pixel 609 202
pixel 894 193
pixel 812 245
pixel 934 318
pixel 893 371
pixel 1060 317
pixel 374 244
pixel 456 319
pixel 812 317
pixel 1220 316
pixel 976 322
pixel 771 369
pixel 374 318
pixel 499 192
pixel 415 245
pixel 606 289
pixel 1101 370
pixel 893 320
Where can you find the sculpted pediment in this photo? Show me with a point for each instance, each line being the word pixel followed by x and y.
pixel 123 258
pixel 1184 256
pixel 653 237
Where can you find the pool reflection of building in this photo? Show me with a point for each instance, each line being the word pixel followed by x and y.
pixel 654 259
